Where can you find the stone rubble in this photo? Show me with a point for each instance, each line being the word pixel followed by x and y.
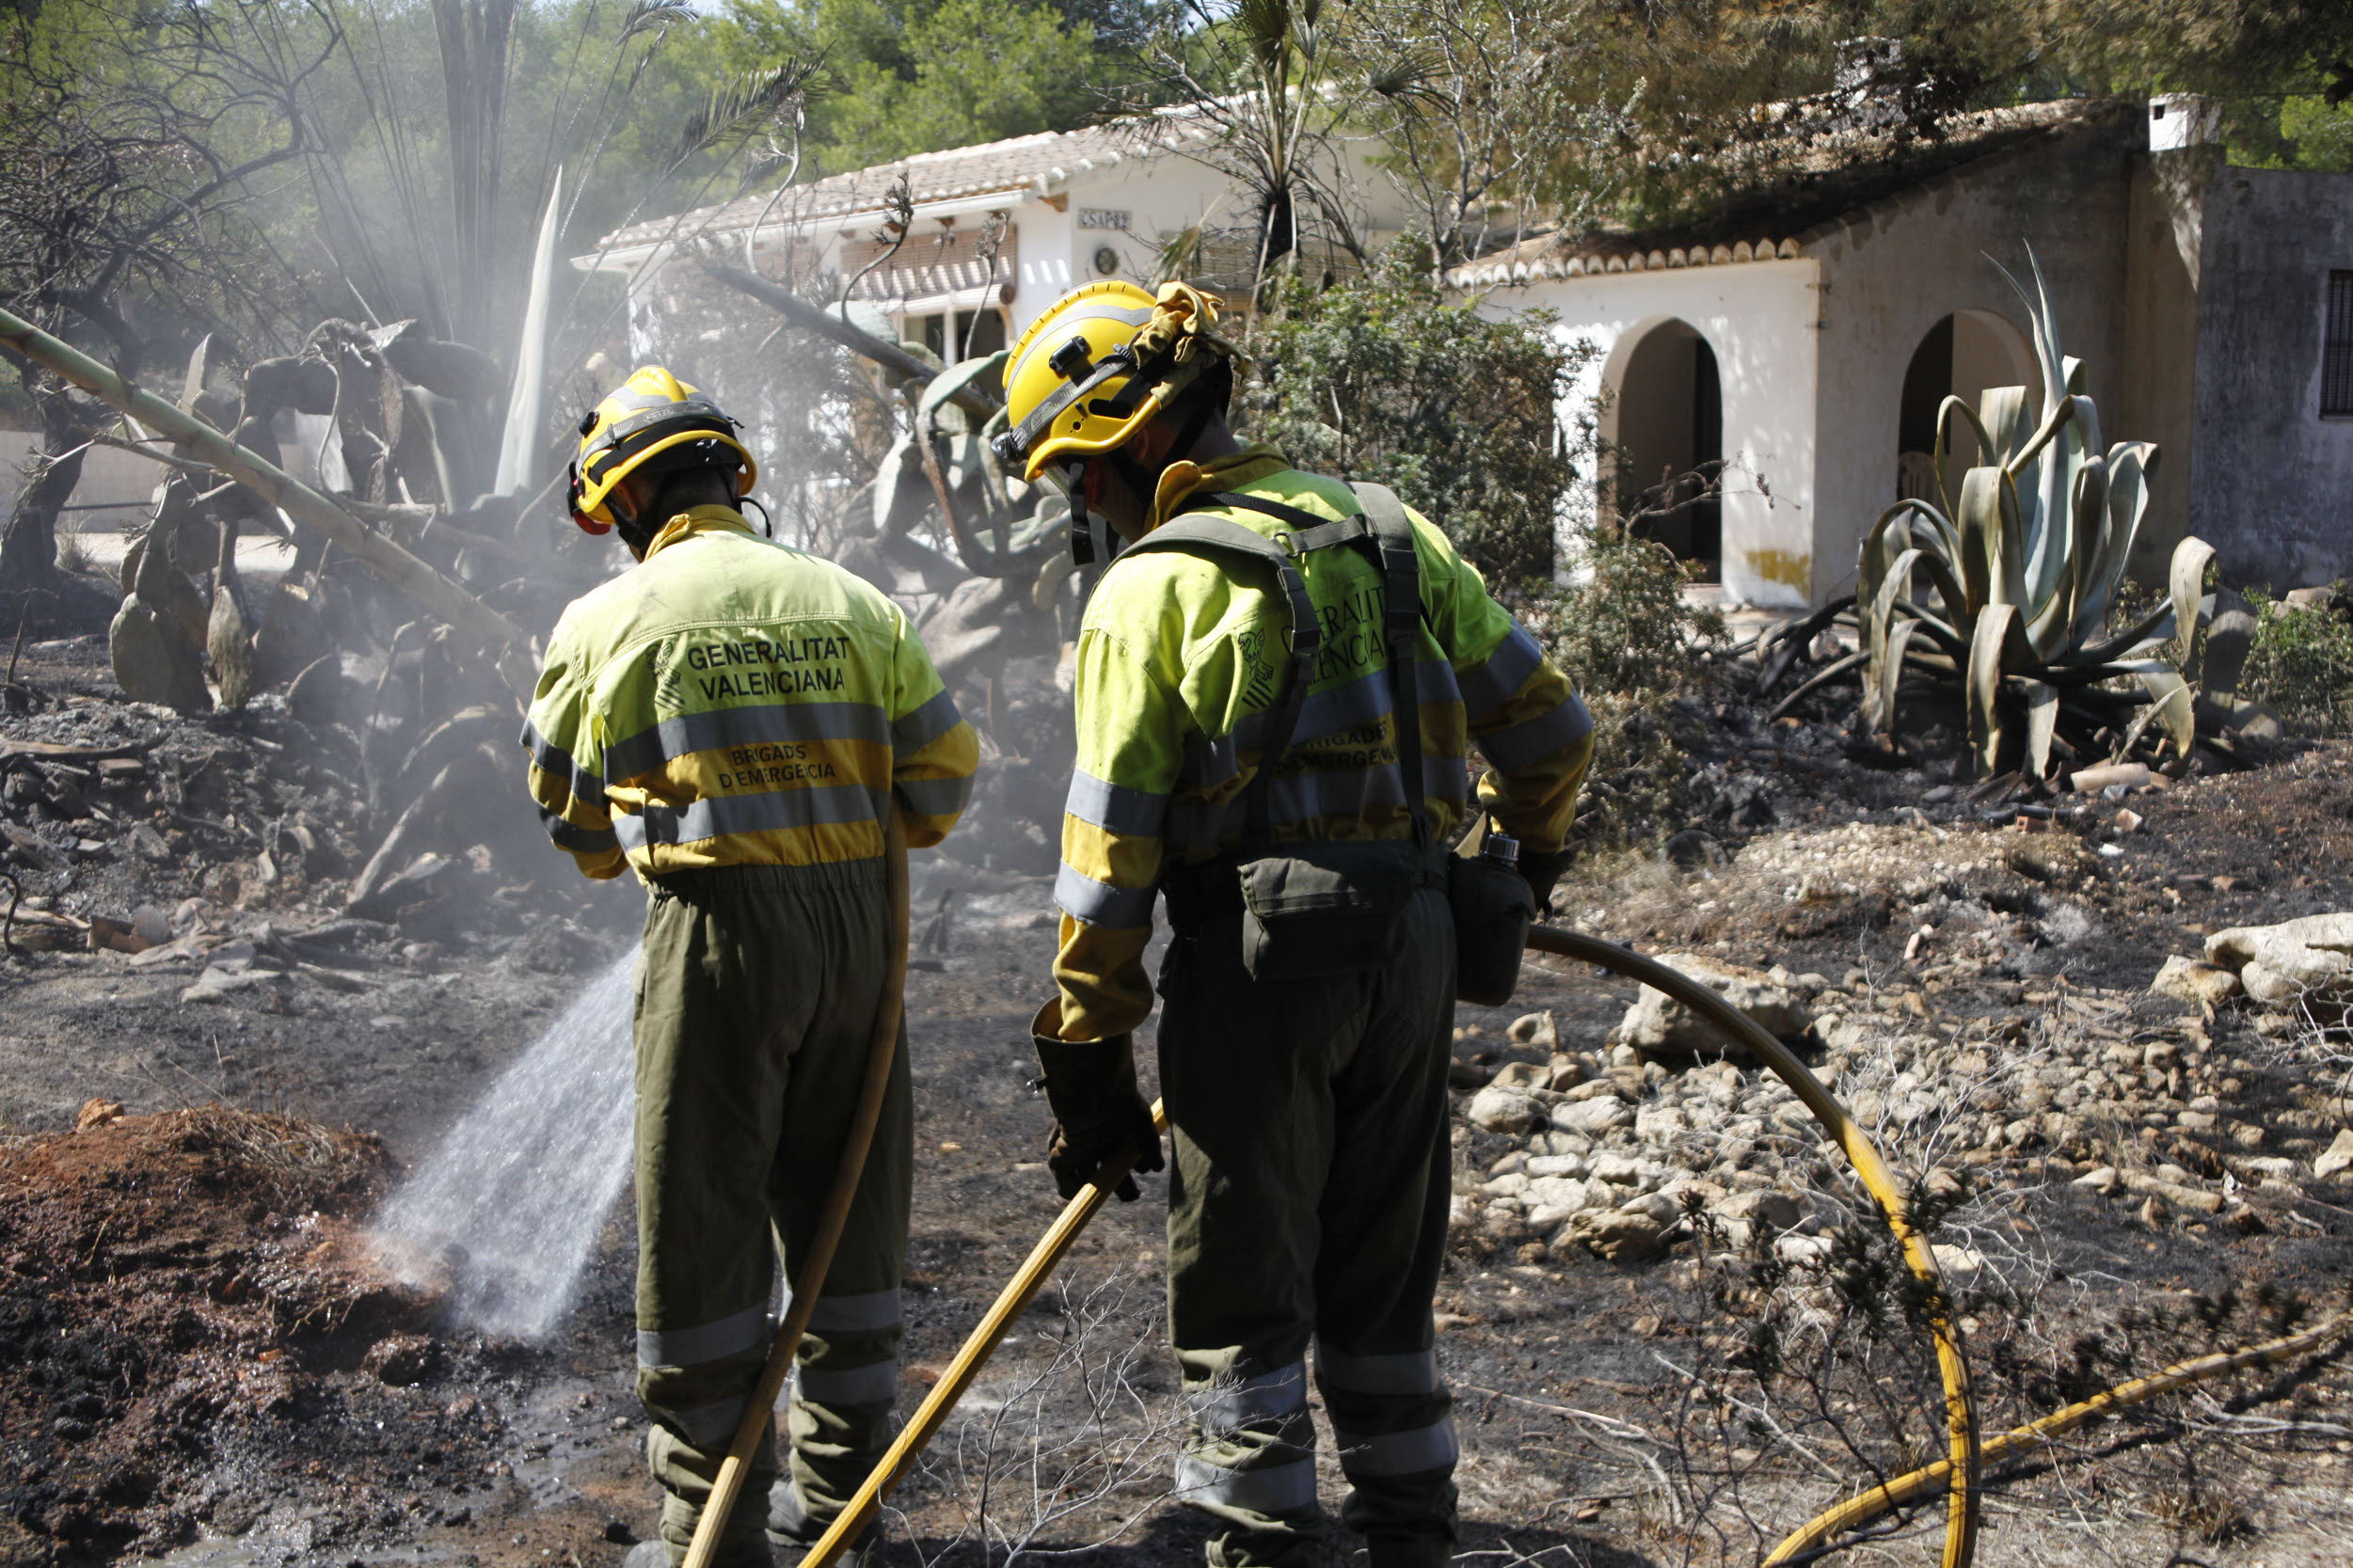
pixel 2308 960
pixel 1629 1151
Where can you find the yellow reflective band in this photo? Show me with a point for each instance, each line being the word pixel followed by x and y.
pixel 1103 855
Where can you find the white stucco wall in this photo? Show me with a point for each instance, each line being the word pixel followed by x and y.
pixel 1160 195
pixel 1759 318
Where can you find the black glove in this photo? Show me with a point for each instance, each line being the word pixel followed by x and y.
pixel 1542 868
pixel 1098 1111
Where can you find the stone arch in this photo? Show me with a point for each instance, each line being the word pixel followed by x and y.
pixel 1662 425
pixel 1961 354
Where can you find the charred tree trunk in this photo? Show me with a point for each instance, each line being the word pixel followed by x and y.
pixel 1277 234
pixel 28 540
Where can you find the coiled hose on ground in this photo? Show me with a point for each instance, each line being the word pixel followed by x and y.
pixel 1957 1474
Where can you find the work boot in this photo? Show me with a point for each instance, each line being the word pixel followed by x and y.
pixel 792 1533
pixel 654 1554
pixel 1409 1551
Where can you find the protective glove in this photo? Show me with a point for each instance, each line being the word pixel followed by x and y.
pixel 1098 1111
pixel 1542 869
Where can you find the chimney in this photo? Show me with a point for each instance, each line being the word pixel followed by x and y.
pixel 2182 119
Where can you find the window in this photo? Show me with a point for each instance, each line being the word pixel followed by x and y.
pixel 2336 350
pixel 978 334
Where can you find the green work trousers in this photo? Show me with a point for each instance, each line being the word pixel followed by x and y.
pixel 756 997
pixel 1308 1200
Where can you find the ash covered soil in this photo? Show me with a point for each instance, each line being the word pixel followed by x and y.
pixel 1671 1332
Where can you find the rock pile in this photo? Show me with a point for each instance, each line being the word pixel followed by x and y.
pixel 2303 964
pixel 1659 1138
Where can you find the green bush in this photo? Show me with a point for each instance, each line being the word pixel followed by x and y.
pixel 1635 645
pixel 2301 663
pixel 1624 628
pixel 1381 378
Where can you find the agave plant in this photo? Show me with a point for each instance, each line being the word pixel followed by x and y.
pixel 2000 593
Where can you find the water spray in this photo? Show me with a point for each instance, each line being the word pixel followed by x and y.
pixel 509 1206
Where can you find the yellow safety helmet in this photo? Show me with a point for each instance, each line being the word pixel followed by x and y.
pixel 652 413
pixel 1098 365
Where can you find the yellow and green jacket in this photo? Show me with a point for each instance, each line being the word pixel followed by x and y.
pixel 1180 658
pixel 732 700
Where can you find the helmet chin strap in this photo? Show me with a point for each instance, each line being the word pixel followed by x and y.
pixel 625 522
pixel 1093 539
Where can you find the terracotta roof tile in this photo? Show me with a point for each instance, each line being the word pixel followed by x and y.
pixel 1807 182
pixel 1039 163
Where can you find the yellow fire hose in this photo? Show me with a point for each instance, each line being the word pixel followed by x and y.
pixel 1859 1510
pixel 1957 1474
pixel 806 1287
pixel 973 1354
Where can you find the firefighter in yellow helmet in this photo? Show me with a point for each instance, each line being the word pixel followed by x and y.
pixel 731 719
pixel 1249 750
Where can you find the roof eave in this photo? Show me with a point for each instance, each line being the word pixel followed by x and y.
pixel 630 258
pixel 1506 270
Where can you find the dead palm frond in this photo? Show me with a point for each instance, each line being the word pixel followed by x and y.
pixel 656 17
pixel 753 99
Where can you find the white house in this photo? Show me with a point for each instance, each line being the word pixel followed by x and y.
pixel 1058 208
pixel 1807 338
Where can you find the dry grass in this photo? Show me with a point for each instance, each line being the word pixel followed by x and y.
pixel 287 1154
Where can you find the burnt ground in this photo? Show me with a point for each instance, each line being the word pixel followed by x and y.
pixel 202 1364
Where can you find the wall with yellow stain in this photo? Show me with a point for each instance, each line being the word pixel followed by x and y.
pixel 1758 320
pixel 1786 567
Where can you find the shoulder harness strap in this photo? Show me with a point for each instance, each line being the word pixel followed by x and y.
pixel 1389 541
pixel 1401 586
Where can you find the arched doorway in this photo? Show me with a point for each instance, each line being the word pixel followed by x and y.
pixel 1669 437
pixel 1960 357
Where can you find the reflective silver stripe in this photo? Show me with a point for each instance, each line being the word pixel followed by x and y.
pixel 713 816
pixel 874 1385
pixel 914 730
pixel 555 761
pixel 580 841
pixel 1413 1371
pixel 1224 1407
pixel 935 797
pixel 1398 1453
pixel 712 1341
pixel 1273 1489
pixel 1123 809
pixel 1531 740
pixel 706 1426
pixel 1210 762
pixel 761 723
pixel 1331 792
pixel 1099 903
pixel 853 1314
pixel 1489 685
